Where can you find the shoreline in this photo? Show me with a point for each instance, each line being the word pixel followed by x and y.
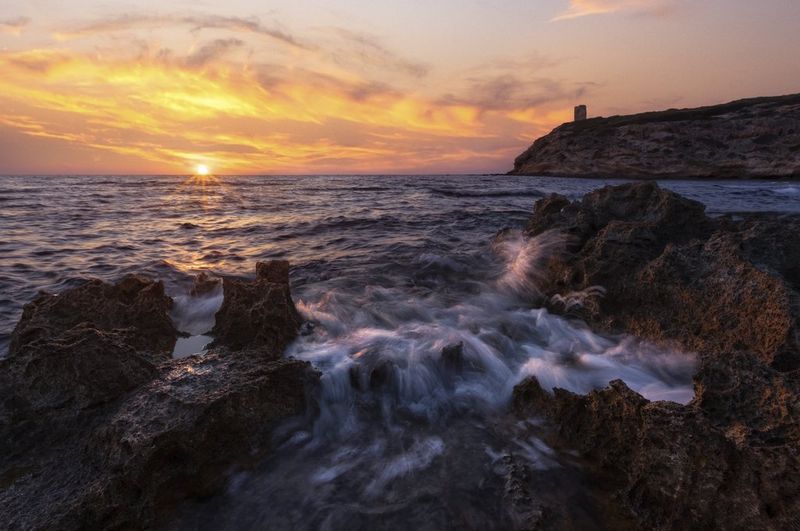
pixel 97 411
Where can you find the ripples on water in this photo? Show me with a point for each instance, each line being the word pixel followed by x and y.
pixel 390 270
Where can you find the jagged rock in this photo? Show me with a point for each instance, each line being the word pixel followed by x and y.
pixel 258 313
pixel 94 435
pixel 135 307
pixel 668 464
pixel 85 346
pixel 745 139
pixel 725 289
pixel 669 273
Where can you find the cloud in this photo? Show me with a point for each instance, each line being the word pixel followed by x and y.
pixel 212 52
pixel 196 22
pixel 340 101
pixel 514 85
pixel 366 51
pixel 14 26
pixel 582 8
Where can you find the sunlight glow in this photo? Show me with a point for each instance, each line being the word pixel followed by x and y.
pixel 202 169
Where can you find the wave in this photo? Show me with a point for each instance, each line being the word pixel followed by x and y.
pixel 448 192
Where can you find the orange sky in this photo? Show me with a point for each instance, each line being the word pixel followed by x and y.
pixel 355 86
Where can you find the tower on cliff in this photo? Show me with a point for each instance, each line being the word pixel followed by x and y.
pixel 580 113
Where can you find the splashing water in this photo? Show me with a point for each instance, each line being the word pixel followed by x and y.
pixel 414 385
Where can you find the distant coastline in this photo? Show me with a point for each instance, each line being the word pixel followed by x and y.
pixel 756 138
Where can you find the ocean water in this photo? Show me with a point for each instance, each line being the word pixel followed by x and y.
pixel 389 270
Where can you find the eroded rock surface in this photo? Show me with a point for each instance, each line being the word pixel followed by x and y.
pixel 258 313
pixel 135 308
pixel 754 138
pixel 97 433
pixel 725 289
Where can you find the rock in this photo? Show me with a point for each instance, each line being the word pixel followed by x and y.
pixel 258 313
pixel 83 367
pixel 86 346
pixel 175 438
pixel 745 139
pixel 135 307
pixel 668 465
pixel 93 434
pixel 725 289
pixel 204 284
pixel 670 274
pixel 453 356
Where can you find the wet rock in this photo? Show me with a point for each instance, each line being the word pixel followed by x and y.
pixel 453 356
pixel 525 510
pixel 81 368
pixel 135 307
pixel 725 289
pixel 258 313
pixel 93 434
pixel 670 274
pixel 204 284
pixel 381 374
pixel 668 464
pixel 85 346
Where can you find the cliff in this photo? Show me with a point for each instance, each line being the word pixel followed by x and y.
pixel 755 138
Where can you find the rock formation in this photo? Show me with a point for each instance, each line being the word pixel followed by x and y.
pixel 258 313
pixel 725 289
pixel 100 429
pixel 753 138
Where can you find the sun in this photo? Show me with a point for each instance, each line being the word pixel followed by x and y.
pixel 202 169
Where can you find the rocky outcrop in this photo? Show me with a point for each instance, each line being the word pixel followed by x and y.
pixel 97 433
pixel 669 273
pixel 753 138
pixel 258 313
pixel 725 289
pixel 86 346
pixel 668 464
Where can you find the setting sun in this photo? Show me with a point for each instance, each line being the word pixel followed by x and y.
pixel 202 169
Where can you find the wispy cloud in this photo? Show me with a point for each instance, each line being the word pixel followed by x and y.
pixel 582 8
pixel 194 22
pixel 212 51
pixel 14 26
pixel 363 50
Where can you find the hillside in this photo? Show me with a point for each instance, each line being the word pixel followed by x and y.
pixel 754 138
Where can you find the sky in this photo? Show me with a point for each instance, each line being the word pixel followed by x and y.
pixel 358 86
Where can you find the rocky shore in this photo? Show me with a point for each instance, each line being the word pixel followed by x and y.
pixel 101 429
pixel 727 289
pixel 755 138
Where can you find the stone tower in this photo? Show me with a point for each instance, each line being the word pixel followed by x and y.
pixel 580 113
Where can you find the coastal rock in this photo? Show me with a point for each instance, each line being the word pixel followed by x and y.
pixel 203 284
pixel 135 307
pixel 118 441
pixel 745 139
pixel 258 313
pixel 671 274
pixel 725 289
pixel 81 368
pixel 667 464
pixel 86 346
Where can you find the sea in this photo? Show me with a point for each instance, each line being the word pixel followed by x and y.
pixel 388 270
